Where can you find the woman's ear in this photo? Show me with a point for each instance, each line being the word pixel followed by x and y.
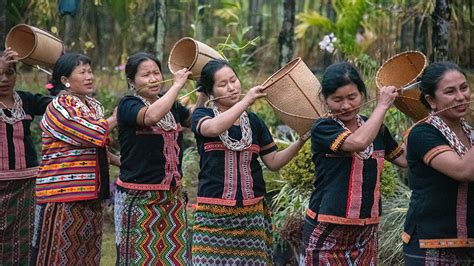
pixel 131 84
pixel 63 80
pixel 431 101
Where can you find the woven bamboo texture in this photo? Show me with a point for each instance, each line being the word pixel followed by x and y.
pixel 293 93
pixel 34 46
pixel 191 54
pixel 400 70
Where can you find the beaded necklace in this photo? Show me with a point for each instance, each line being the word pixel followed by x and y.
pixel 365 154
pixel 168 122
pixel 17 112
pixel 449 134
pixel 228 141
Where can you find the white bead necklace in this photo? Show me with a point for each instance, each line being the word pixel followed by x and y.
pixel 228 141
pixel 167 123
pixel 17 112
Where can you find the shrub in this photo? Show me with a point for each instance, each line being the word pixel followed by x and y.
pixel 388 180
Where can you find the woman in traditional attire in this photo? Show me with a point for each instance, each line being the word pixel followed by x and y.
pixel 232 224
pixel 439 227
pixel 349 151
pixel 150 210
pixel 73 177
pixel 18 163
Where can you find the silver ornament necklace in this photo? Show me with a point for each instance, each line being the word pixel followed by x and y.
pixel 16 111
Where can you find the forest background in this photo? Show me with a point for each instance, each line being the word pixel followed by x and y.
pixel 257 37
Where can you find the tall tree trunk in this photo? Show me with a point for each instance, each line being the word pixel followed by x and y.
pixel 255 21
pixel 104 32
pixel 420 34
pixel 71 15
pixel 287 33
pixel 3 23
pixel 160 28
pixel 441 17
pixel 274 13
pixel 255 18
pixel 471 32
pixel 330 14
pixel 199 23
pixel 69 28
pixel 406 38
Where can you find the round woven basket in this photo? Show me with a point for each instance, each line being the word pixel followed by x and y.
pixel 293 93
pixel 191 54
pixel 34 46
pixel 401 70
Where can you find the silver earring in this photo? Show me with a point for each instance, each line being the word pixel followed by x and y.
pixel 67 85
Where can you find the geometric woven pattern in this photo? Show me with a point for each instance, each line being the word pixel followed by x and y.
pixel 17 205
pixel 68 233
pixel 335 244
pixel 150 227
pixel 224 235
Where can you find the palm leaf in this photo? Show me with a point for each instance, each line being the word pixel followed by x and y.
pixel 312 19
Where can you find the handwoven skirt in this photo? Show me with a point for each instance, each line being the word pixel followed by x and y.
pixel 68 233
pixel 335 244
pixel 150 227
pixel 17 206
pixel 225 235
pixel 414 255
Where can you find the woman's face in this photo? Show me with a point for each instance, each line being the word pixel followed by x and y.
pixel 226 83
pixel 147 79
pixel 452 90
pixel 345 102
pixel 81 80
pixel 7 78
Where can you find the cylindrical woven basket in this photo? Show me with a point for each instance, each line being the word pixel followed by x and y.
pixel 293 93
pixel 401 70
pixel 34 46
pixel 191 54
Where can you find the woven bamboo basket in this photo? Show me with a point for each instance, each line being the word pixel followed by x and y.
pixel 34 46
pixel 293 93
pixel 401 70
pixel 191 54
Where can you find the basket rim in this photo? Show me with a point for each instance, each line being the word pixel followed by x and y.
pixel 174 46
pixel 32 31
pixel 377 77
pixel 265 85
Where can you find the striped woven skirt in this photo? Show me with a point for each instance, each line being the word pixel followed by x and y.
pixel 17 207
pixel 335 244
pixel 68 233
pixel 414 255
pixel 225 235
pixel 150 227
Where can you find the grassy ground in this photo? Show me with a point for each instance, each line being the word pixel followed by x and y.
pixel 108 245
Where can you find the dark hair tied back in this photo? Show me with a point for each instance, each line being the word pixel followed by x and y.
pixel 338 75
pixel 206 81
pixel 64 67
pixel 430 77
pixel 134 61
